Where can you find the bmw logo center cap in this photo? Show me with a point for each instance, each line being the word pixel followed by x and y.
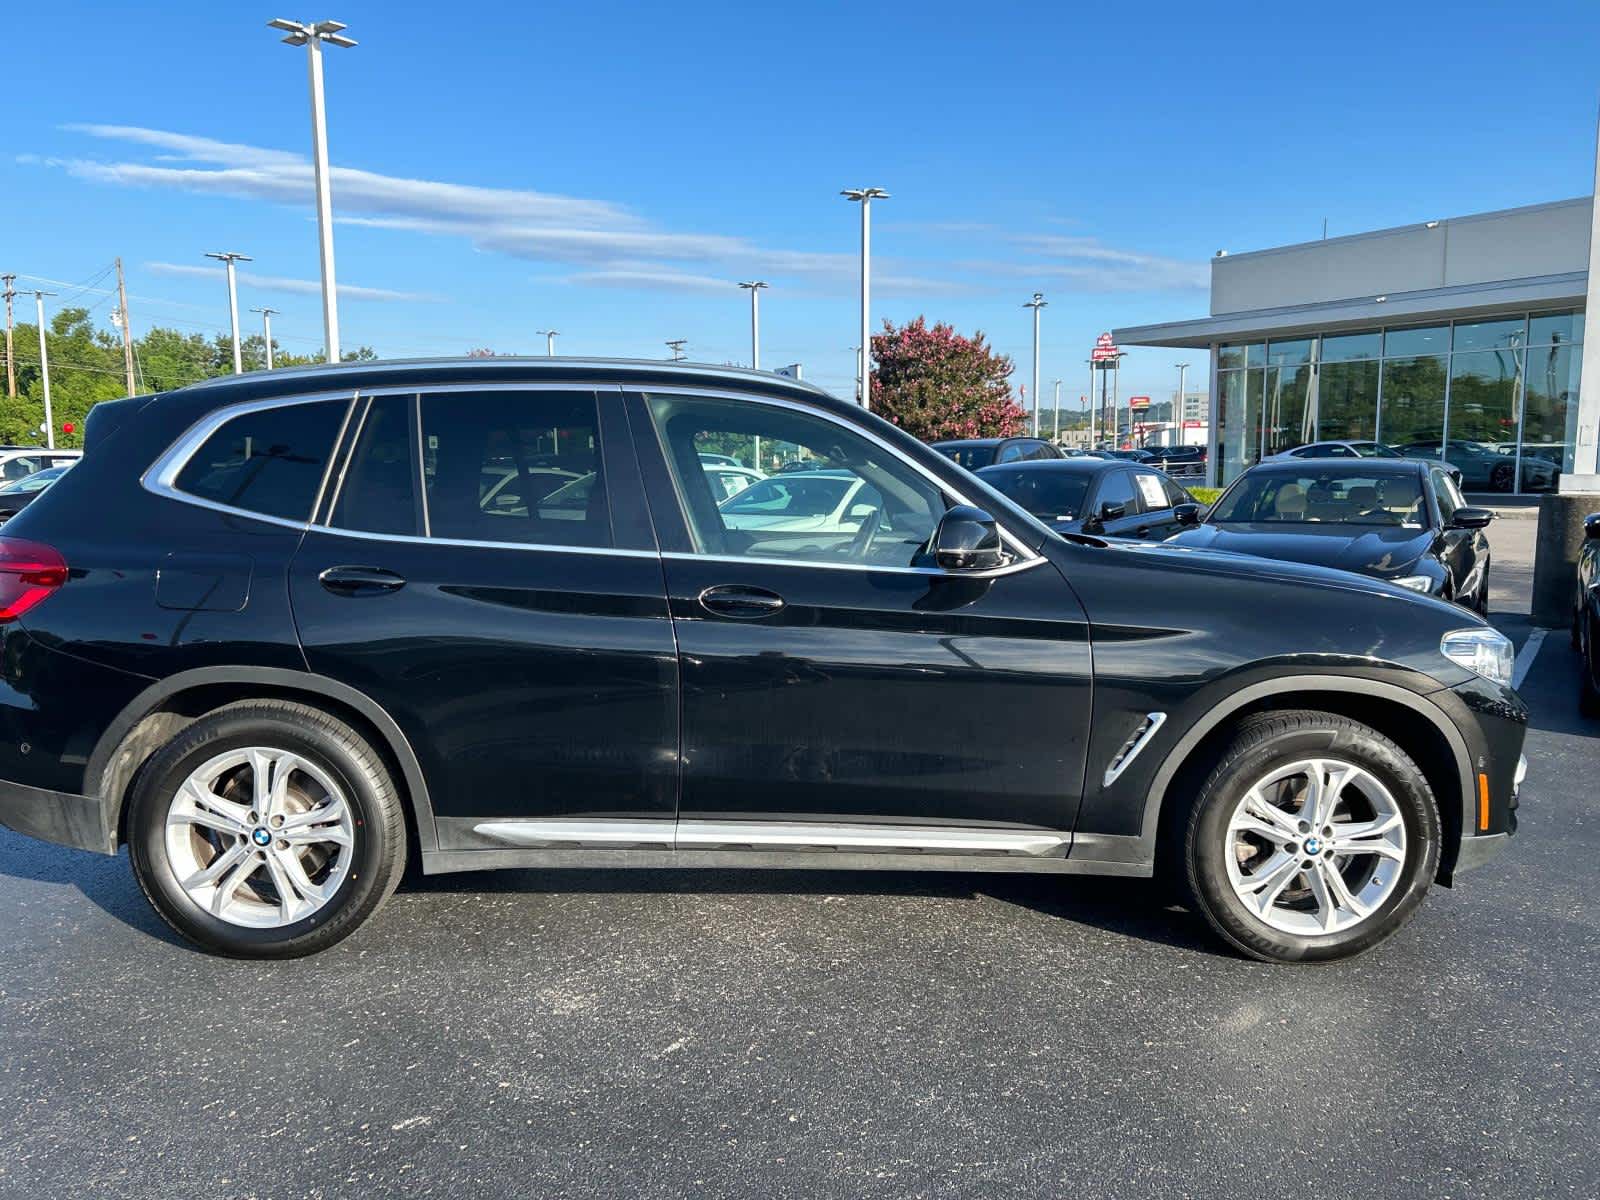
pixel 1313 845
pixel 261 837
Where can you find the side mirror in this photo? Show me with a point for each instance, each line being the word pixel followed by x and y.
pixel 1475 518
pixel 1187 513
pixel 1112 512
pixel 967 540
pixel 1591 526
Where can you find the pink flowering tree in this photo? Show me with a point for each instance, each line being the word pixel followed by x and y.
pixel 936 384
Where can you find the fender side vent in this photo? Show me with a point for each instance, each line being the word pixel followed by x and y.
pixel 1137 741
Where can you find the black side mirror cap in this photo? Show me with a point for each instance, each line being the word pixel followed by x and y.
pixel 1473 518
pixel 1187 513
pixel 1113 512
pixel 967 540
pixel 1591 526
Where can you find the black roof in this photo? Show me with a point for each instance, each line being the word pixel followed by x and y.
pixel 1348 466
pixel 1078 466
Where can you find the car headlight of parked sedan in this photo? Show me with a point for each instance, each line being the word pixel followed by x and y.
pixel 1417 583
pixel 1485 652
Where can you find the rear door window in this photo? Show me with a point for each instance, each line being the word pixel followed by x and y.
pixel 514 466
pixel 1117 488
pixel 379 492
pixel 269 461
pixel 1152 492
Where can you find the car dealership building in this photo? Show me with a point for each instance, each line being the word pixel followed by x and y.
pixel 1459 338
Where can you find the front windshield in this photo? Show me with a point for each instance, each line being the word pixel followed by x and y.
pixel 1375 450
pixel 1048 495
pixel 1322 498
pixel 791 496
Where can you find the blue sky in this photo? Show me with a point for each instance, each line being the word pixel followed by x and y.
pixel 613 170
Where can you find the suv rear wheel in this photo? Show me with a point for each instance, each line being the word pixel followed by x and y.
pixel 1315 838
pixel 267 829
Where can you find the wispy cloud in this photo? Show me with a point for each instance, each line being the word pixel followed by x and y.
pixel 285 284
pixel 650 280
pixel 1089 264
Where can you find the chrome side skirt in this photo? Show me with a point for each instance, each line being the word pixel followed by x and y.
pixel 720 838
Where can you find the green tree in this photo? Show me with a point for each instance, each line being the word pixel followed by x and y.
pixel 936 383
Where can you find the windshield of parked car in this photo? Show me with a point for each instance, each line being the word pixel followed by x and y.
pixel 970 457
pixel 1375 450
pixel 791 496
pixel 36 482
pixel 1048 495
pixel 1321 497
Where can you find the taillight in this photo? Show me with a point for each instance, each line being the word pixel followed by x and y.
pixel 29 571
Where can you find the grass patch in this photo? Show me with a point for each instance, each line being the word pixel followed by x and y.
pixel 1205 495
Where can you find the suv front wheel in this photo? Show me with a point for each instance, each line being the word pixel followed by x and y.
pixel 1315 838
pixel 266 829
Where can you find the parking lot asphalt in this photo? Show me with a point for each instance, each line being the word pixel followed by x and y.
pixel 821 1033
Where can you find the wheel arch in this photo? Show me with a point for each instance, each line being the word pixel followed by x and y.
pixel 1412 720
pixel 157 714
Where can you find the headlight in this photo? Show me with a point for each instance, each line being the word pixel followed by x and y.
pixel 1484 652
pixel 1417 583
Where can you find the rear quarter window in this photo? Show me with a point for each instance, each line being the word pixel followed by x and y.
pixel 270 461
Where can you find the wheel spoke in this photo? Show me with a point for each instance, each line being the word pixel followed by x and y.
pixel 1327 906
pixel 262 763
pixel 198 805
pixel 1369 837
pixel 1269 814
pixel 292 898
pixel 315 835
pixel 214 870
pixel 1340 890
pixel 290 862
pixel 232 882
pixel 1262 887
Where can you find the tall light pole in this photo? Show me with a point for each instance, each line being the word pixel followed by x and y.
pixel 754 287
pixel 1055 409
pixel 1177 416
pixel 44 375
pixel 865 197
pixel 266 330
pixel 311 36
pixel 228 258
pixel 1036 304
pixel 550 336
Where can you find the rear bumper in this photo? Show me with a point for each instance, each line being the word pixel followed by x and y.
pixel 81 822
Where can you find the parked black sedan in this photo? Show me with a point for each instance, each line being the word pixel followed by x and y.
pixel 1399 520
pixel 1104 496
pixel 1586 617
pixel 19 493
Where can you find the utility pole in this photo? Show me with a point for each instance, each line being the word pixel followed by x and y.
pixel 11 358
pixel 1036 304
pixel 865 197
pixel 44 375
pixel 754 288
pixel 1177 416
pixel 311 36
pixel 676 345
pixel 228 258
pixel 550 336
pixel 266 329
pixel 1055 407
pixel 127 329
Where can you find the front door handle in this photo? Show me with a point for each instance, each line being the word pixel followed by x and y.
pixel 1142 531
pixel 360 581
pixel 744 603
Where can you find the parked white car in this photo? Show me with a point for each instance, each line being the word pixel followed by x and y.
pixel 728 481
pixel 801 502
pixel 20 462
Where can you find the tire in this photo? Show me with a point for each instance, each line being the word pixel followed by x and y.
pixel 1588 694
pixel 1382 785
pixel 334 831
pixel 1502 477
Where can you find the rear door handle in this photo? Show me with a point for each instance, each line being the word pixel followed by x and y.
pixel 360 581
pixel 744 603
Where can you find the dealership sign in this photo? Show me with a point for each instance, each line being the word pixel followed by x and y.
pixel 1138 401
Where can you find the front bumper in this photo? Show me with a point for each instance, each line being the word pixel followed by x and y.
pixel 81 822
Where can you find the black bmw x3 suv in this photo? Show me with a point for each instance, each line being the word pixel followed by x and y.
pixel 281 634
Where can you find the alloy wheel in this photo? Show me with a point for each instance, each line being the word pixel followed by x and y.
pixel 1315 847
pixel 260 837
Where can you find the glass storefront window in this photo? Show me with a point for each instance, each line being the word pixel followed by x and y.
pixel 1348 347
pixel 1239 407
pixel 1490 335
pixel 1561 329
pixel 1229 358
pixel 1425 339
pixel 1550 411
pixel 1289 414
pixel 1347 400
pixel 1413 404
pixel 1483 419
pixel 1289 354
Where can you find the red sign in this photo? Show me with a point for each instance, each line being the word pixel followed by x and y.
pixel 1105 349
pixel 1138 401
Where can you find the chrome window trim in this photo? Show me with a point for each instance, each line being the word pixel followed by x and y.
pixel 418 540
pixel 160 477
pixel 1012 568
pixel 779 402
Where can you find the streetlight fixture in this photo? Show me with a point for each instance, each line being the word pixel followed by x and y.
pixel 754 287
pixel 1036 304
pixel 266 330
pixel 550 336
pixel 311 36
pixel 865 196
pixel 228 258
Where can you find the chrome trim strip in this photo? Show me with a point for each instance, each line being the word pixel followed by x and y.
pixel 613 551
pixel 1124 760
pixel 825 837
pixel 1008 569
pixel 440 862
pixel 778 402
pixel 572 832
